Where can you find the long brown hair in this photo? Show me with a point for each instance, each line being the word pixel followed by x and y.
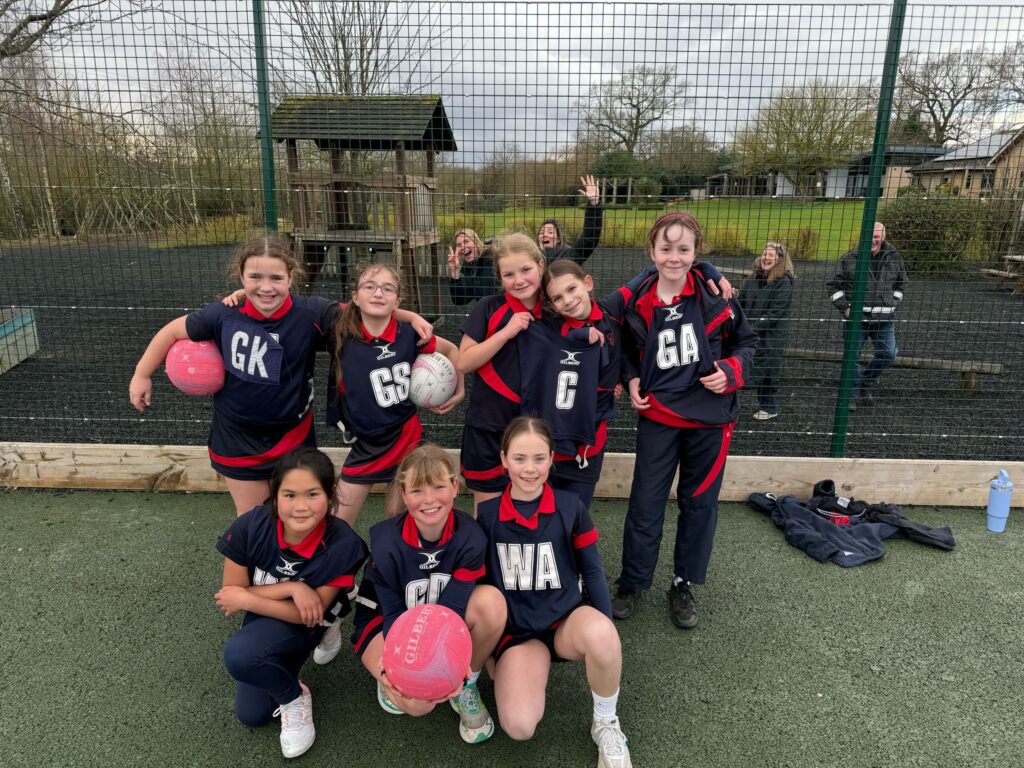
pixel 347 325
pixel 522 425
pixel 271 246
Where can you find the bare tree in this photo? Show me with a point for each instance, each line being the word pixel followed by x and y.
pixel 359 48
pixel 625 108
pixel 27 25
pixel 952 90
pixel 806 130
pixel 1008 73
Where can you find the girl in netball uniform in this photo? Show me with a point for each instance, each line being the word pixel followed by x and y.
pixel 488 347
pixel 686 356
pixel 370 372
pixel 582 318
pixel 288 565
pixel 269 344
pixel 540 543
pixel 431 553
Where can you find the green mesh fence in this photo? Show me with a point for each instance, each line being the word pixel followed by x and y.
pixel 131 164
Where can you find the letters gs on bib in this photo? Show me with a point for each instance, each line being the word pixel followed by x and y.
pixel 251 353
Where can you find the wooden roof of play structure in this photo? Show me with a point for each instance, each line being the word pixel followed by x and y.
pixel 365 122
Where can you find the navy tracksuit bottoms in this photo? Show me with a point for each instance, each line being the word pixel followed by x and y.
pixel 264 657
pixel 700 456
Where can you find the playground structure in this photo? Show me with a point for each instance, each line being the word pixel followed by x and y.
pixel 341 215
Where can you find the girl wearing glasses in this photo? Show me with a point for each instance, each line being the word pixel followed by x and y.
pixel 370 375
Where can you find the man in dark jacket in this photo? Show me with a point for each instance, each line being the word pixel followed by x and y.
pixel 887 280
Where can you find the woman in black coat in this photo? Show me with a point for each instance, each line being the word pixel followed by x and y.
pixel 766 298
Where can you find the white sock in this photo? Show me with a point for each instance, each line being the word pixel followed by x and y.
pixel 677 581
pixel 604 708
pixel 473 677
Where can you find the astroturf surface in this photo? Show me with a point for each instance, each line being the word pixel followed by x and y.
pixel 111 649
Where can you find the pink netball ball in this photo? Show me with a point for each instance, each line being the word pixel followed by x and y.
pixel 427 652
pixel 195 367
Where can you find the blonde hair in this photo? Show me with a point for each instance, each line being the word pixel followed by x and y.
pixel 472 235
pixel 517 242
pixel 426 465
pixel 783 264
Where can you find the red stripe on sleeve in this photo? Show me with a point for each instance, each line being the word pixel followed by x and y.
pixel 464 574
pixel 585 539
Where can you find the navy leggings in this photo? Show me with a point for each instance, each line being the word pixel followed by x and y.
pixel 264 657
pixel 700 455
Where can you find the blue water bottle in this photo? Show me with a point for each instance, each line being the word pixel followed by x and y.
pixel 999 494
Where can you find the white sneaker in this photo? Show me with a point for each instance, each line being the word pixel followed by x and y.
pixel 297 731
pixel 385 702
pixel 475 723
pixel 765 415
pixel 330 644
pixel 612 746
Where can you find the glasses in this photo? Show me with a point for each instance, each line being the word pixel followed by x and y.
pixel 388 289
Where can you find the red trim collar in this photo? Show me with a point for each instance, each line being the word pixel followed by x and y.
pixel 595 315
pixel 518 306
pixel 308 545
pixel 388 334
pixel 688 290
pixel 507 512
pixel 249 310
pixel 411 534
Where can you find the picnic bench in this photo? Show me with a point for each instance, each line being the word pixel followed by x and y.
pixel 1012 272
pixel 968 369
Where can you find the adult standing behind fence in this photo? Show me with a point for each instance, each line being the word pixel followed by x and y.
pixel 766 298
pixel 470 266
pixel 883 295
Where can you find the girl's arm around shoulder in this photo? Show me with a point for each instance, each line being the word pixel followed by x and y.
pixel 423 329
pixel 140 390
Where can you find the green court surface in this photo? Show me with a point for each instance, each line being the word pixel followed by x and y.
pixel 111 653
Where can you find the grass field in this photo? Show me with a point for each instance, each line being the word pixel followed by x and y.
pixel 735 224
pixel 731 221
pixel 112 653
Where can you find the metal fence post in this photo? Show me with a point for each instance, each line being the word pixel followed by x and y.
pixel 266 140
pixel 851 348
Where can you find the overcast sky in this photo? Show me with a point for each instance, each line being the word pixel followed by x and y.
pixel 514 72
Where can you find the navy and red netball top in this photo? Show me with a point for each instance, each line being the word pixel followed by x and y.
pixel 673 344
pixel 269 360
pixel 560 378
pixel 406 570
pixel 373 398
pixel 330 555
pixel 537 553
pixel 495 397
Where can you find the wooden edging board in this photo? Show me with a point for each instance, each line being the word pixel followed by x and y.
pixel 187 468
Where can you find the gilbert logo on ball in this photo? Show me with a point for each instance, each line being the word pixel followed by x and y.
pixel 434 379
pixel 195 367
pixel 427 652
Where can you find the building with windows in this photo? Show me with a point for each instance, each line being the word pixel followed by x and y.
pixel 991 167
